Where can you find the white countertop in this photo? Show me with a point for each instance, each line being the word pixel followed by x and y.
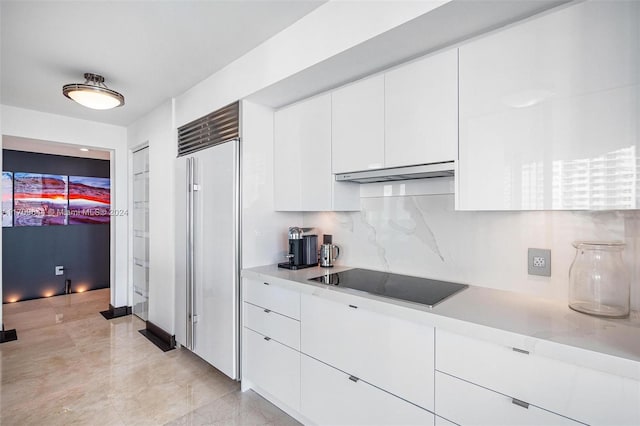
pixel 543 327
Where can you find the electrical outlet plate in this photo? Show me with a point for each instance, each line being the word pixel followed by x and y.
pixel 539 262
pixel 59 270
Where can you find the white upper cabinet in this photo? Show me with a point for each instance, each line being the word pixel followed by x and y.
pixel 421 111
pixel 358 126
pixel 549 112
pixel 287 154
pixel 302 160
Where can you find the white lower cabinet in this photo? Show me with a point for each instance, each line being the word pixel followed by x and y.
pixel 576 392
pixel 468 404
pixel 357 366
pixel 332 397
pixel 273 367
pixel 393 354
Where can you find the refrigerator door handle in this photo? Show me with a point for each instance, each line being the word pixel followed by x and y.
pixel 192 265
pixel 189 254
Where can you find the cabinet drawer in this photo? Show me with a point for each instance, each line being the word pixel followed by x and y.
pixel 330 397
pixel 273 367
pixel 277 299
pixel 468 404
pixel 390 353
pixel 586 395
pixel 276 326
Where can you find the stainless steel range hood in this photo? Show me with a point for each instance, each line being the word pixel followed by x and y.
pixel 422 171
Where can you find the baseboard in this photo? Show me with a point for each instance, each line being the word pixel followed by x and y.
pixel 8 335
pixel 114 312
pixel 163 340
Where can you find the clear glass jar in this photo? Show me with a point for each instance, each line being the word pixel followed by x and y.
pixel 599 280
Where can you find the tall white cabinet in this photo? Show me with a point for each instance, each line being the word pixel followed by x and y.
pixel 302 160
pixel 549 112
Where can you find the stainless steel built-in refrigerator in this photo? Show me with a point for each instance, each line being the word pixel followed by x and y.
pixel 207 253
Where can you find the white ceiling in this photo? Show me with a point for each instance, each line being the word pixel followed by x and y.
pixel 45 147
pixel 147 50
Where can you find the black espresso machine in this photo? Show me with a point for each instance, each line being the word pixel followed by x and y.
pixel 303 249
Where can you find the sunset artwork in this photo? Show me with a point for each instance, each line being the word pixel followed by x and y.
pixel 7 199
pixel 39 199
pixel 89 200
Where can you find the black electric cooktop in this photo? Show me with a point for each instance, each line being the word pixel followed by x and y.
pixel 412 289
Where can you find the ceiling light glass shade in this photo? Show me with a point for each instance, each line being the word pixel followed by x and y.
pixel 93 93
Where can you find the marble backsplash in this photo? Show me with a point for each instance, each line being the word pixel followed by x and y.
pixel 423 235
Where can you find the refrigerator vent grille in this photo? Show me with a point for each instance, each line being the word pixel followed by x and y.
pixel 218 127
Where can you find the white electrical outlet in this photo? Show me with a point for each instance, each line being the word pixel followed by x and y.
pixel 59 270
pixel 539 262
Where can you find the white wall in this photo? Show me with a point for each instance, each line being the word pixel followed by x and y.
pixel 264 231
pixel 157 129
pixel 328 30
pixel 422 235
pixel 56 128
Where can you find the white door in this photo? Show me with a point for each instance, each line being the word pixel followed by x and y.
pixel 215 256
pixel 141 233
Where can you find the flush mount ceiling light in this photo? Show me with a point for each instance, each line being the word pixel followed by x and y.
pixel 93 93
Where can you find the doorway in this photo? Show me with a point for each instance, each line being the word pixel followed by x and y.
pixel 56 224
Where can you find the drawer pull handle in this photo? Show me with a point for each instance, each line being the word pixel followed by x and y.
pixel 354 379
pixel 267 338
pixel 353 306
pixel 266 283
pixel 522 351
pixel 519 403
pixel 267 310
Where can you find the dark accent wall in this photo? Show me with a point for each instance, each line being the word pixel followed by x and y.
pixel 31 253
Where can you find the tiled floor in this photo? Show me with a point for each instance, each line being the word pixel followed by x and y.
pixel 70 366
